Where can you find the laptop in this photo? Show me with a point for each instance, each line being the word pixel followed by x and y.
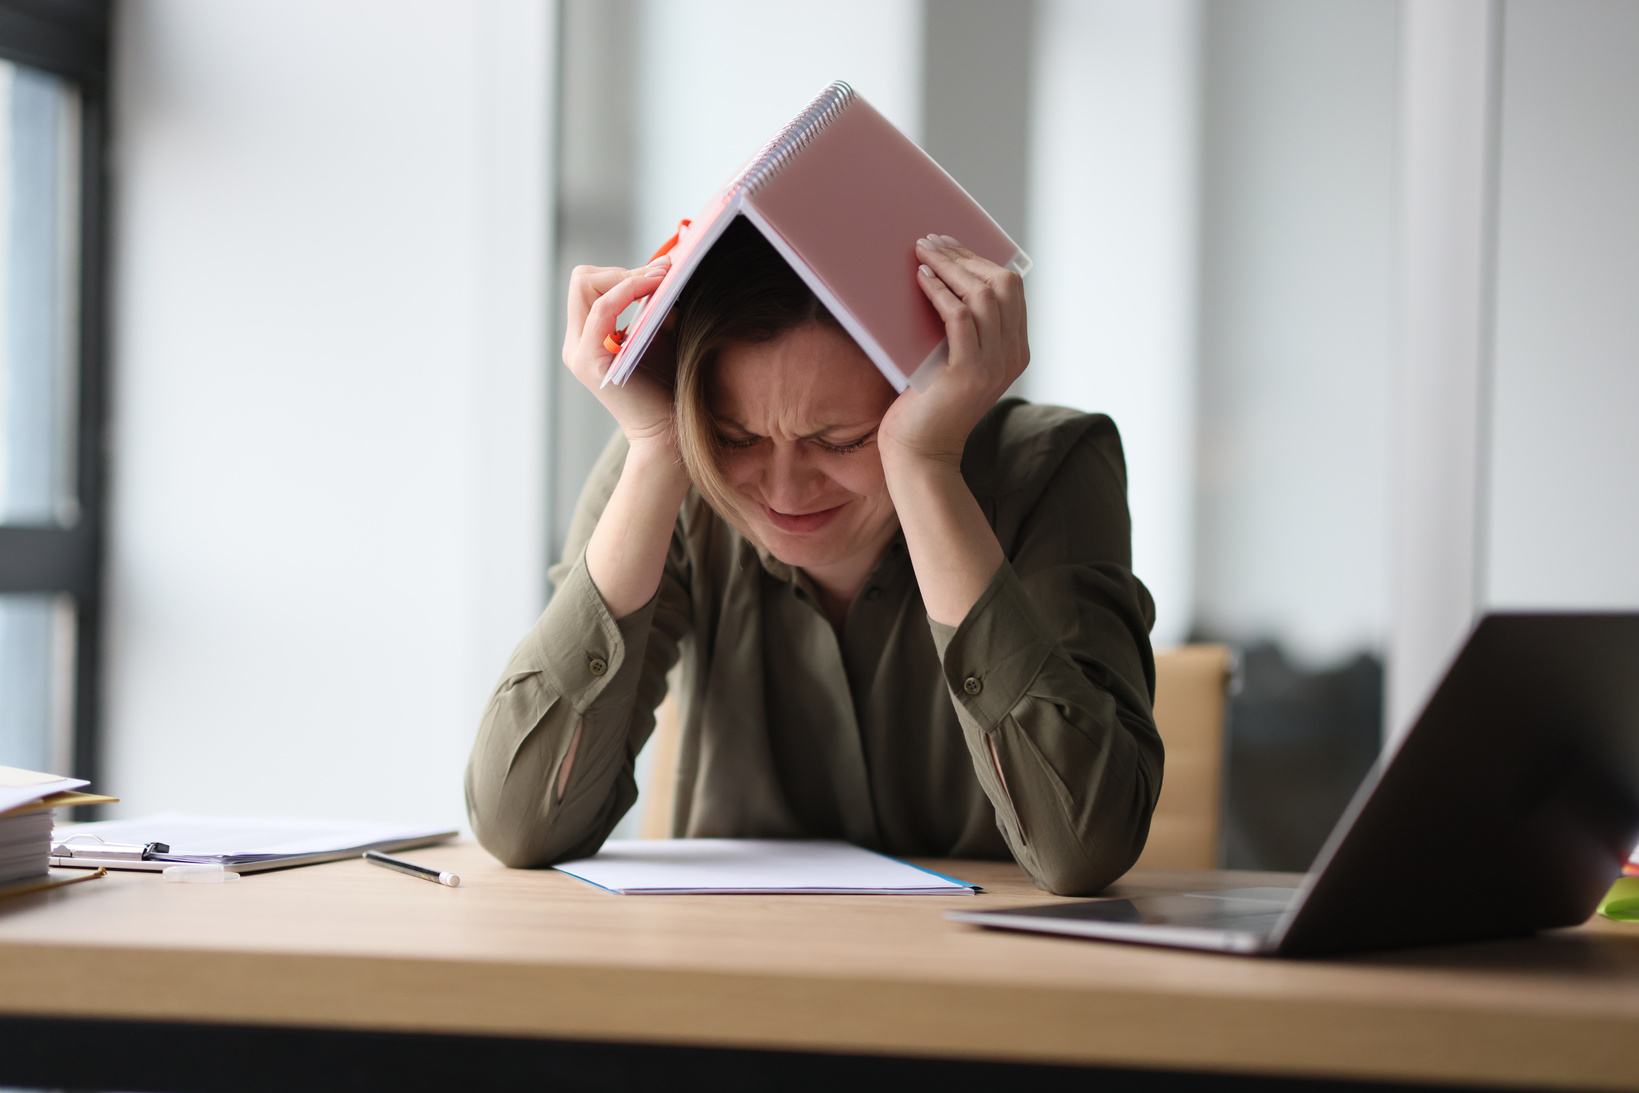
pixel 1508 808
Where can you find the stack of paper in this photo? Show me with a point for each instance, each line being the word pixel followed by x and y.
pixel 26 800
pixel 755 866
pixel 25 842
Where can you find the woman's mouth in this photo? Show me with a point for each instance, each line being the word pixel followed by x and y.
pixel 798 523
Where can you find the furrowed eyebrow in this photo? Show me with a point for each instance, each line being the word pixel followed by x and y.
pixel 860 429
pixel 728 425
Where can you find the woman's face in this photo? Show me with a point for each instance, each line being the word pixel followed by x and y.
pixel 798 418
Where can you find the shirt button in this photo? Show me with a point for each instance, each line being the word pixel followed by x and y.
pixel 873 593
pixel 972 685
pixel 597 665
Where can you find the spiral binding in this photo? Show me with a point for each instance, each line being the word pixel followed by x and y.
pixel 794 137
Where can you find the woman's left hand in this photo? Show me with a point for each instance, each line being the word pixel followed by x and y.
pixel 982 306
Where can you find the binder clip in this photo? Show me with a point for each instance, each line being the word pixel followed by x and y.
pixel 108 851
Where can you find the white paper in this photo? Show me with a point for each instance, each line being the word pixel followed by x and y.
pixel 19 786
pixel 215 839
pixel 747 866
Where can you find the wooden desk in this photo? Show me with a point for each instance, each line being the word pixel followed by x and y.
pixel 535 954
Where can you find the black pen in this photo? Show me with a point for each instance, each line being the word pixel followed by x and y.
pixel 412 869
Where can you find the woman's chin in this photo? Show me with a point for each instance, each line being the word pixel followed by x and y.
pixel 802 551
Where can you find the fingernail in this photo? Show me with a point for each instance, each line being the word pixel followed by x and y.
pixel 926 272
pixel 935 243
pixel 950 241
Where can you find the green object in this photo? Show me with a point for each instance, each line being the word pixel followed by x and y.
pixel 1622 901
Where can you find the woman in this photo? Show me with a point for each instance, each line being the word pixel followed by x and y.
pixel 909 622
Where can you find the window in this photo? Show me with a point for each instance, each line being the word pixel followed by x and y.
pixel 53 69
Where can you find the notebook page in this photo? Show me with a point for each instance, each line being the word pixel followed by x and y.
pixel 746 866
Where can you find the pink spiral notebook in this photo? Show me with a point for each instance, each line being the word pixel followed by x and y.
pixel 843 196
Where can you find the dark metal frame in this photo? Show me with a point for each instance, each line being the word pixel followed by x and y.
pixel 71 38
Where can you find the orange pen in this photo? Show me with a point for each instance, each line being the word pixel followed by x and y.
pixel 614 341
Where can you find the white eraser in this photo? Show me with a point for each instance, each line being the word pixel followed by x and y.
pixel 199 874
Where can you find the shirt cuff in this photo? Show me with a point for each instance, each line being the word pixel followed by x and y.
pixel 578 645
pixel 993 657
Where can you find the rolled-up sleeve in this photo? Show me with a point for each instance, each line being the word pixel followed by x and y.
pixel 578 670
pixel 1052 677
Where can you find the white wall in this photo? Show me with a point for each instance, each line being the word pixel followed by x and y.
pixel 1112 205
pixel 1449 104
pixel 720 77
pixel 331 233
pixel 1518 456
pixel 1297 324
pixel 1563 528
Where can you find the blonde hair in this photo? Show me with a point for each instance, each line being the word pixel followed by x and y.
pixel 743 292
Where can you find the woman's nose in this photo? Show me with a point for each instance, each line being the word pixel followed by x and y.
pixel 789 482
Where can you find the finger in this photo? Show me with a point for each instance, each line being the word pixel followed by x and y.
pixel 961 269
pixel 974 291
pixel 601 318
pixel 1021 329
pixel 963 260
pixel 590 282
pixel 960 329
pixel 970 274
pixel 588 355
pixel 591 285
pixel 1008 287
pixel 586 284
pixel 599 281
pixel 981 265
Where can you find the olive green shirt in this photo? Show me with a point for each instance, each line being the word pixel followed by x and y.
pixel 881 735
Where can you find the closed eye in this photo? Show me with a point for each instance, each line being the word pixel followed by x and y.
pixel 743 442
pixel 851 446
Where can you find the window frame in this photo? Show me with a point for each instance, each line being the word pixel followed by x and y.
pixel 70 38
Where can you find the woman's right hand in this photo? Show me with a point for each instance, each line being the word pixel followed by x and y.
pixel 626 554
pixel 597 296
